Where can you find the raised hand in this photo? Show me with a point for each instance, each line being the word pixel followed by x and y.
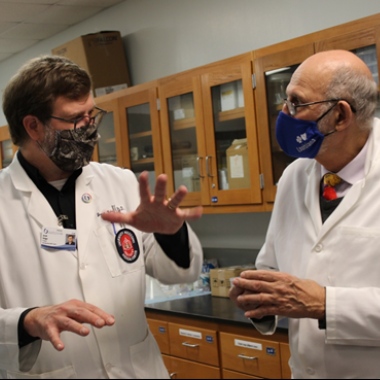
pixel 156 213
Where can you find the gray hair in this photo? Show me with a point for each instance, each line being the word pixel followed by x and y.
pixel 359 90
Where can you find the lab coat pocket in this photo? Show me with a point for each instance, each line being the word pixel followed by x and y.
pixel 147 352
pixel 353 256
pixel 116 264
pixel 62 373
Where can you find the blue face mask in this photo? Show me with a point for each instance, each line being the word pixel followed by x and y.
pixel 299 138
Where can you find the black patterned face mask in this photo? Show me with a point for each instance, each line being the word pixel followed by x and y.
pixel 70 149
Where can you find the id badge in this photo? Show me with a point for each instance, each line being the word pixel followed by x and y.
pixel 58 238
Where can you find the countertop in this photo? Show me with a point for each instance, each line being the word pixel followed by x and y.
pixel 207 307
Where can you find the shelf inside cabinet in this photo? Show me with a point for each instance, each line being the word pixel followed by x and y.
pixel 184 123
pixel 140 135
pixel 110 140
pixel 143 161
pixel 236 113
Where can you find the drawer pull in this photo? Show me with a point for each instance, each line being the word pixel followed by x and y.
pixel 247 357
pixel 190 345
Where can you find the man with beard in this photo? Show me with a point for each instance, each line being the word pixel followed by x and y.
pixel 79 313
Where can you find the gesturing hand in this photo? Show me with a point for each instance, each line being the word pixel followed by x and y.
pixel 48 322
pixel 260 293
pixel 156 213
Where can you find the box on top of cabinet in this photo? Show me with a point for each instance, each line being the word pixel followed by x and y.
pixel 102 56
pixel 220 278
pixel 238 165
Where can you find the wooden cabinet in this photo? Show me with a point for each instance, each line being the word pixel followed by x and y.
pixel 196 348
pixel 256 357
pixel 189 351
pixel 212 128
pixel 185 369
pixel 274 66
pixel 285 356
pixel 130 131
pixel 273 73
pixel 203 113
pixel 196 344
pixel 7 149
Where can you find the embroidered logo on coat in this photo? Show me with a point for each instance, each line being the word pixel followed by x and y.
pixel 127 245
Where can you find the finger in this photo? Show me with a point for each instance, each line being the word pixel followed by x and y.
pixel 118 217
pixel 192 213
pixel 145 194
pixel 261 275
pixel 92 315
pixel 160 188
pixel 178 196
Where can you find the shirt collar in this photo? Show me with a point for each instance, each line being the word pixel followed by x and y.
pixel 36 176
pixel 354 170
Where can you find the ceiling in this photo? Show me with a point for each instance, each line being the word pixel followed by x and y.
pixel 24 23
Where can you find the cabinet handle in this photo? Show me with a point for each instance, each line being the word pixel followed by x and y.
pixel 247 357
pixel 199 167
pixel 208 166
pixel 190 345
pixel 172 375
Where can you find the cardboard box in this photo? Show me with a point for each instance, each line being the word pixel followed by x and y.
pixel 231 95
pixel 102 55
pixel 238 165
pixel 186 172
pixel 182 106
pixel 220 279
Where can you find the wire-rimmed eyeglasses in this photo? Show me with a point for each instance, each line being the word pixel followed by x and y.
pixel 293 107
pixel 92 120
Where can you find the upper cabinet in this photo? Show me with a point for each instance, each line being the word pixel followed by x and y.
pixel 110 146
pixel 7 149
pixel 274 66
pixel 140 117
pixel 273 73
pixel 130 131
pixel 212 128
pixel 209 134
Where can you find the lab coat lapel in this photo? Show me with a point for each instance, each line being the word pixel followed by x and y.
pixel 38 207
pixel 311 198
pixel 85 204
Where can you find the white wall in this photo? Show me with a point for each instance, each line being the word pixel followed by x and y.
pixel 163 37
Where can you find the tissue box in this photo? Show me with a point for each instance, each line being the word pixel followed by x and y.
pixel 220 279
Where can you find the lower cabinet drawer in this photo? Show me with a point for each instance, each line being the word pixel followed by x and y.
pixel 226 374
pixel 285 356
pixel 250 355
pixel 193 343
pixel 160 332
pixel 185 369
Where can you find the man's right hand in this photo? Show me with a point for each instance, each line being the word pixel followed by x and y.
pixel 48 322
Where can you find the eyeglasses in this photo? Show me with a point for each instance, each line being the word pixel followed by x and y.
pixel 92 120
pixel 293 107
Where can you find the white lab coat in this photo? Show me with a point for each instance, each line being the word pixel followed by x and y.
pixel 32 276
pixel 343 255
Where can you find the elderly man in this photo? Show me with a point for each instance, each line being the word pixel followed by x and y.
pixel 320 263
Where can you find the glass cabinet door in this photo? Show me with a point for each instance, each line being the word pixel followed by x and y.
pixel 183 136
pixel 276 82
pixel 7 149
pixel 232 160
pixel 183 141
pixel 142 145
pixel 273 76
pixel 364 44
pixel 108 149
